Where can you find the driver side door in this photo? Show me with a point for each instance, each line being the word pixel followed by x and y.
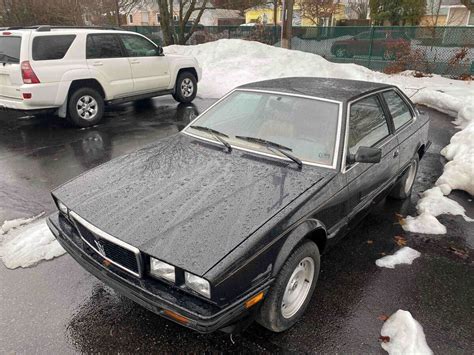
pixel 369 126
pixel 150 71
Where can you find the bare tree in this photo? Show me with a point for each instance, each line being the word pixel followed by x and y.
pixel 188 14
pixel 360 8
pixel 317 11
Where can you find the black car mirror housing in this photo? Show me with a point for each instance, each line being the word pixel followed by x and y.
pixel 159 51
pixel 365 155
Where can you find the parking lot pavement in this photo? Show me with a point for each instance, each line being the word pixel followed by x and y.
pixel 58 307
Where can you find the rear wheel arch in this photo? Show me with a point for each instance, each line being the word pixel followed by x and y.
pixel 89 83
pixel 310 229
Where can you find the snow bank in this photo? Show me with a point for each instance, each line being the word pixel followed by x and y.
pixel 406 335
pixel 25 245
pixel 405 255
pixel 228 63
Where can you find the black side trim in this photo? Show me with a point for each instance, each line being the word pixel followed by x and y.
pixel 140 96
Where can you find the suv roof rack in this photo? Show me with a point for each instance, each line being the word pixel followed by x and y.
pixel 47 28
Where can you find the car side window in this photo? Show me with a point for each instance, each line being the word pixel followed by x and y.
pixel 367 124
pixel 101 46
pixel 137 46
pixel 398 108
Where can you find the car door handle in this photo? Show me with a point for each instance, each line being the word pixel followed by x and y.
pixel 97 64
pixel 135 61
pixel 396 153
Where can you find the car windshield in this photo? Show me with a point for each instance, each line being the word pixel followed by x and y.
pixel 307 126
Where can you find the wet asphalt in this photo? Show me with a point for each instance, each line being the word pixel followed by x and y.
pixel 57 307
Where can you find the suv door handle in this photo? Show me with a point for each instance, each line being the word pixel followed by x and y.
pixel 396 153
pixel 97 64
pixel 135 61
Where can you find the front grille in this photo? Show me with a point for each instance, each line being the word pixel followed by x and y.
pixel 127 258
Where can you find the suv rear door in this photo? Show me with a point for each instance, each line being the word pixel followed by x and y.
pixel 106 58
pixel 11 44
pixel 150 71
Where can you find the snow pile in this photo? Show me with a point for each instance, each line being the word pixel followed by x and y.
pixel 406 335
pixel 405 255
pixel 229 63
pixel 15 223
pixel 433 203
pixel 24 245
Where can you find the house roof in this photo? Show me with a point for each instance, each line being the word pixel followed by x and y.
pixel 328 88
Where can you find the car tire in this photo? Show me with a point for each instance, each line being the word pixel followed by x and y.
pixel 403 188
pixel 274 314
pixel 186 88
pixel 85 107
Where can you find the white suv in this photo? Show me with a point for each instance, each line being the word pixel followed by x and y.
pixel 76 71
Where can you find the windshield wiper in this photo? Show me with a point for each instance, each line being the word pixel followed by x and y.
pixel 8 58
pixel 216 134
pixel 274 146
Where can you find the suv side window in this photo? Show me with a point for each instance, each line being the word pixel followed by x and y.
pixel 137 46
pixel 103 46
pixel 51 47
pixel 398 108
pixel 367 124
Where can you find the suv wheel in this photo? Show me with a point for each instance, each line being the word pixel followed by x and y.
pixel 404 186
pixel 186 87
pixel 86 107
pixel 290 294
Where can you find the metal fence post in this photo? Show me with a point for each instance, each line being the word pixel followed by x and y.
pixel 372 29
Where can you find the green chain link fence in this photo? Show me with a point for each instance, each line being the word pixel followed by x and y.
pixel 441 50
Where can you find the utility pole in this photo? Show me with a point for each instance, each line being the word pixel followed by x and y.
pixel 287 24
pixel 117 10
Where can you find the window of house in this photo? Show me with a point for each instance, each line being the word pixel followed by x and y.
pixel 158 18
pixel 145 17
pixel 130 18
pixel 367 124
pixel 470 21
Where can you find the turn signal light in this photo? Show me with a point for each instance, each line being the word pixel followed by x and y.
pixel 177 317
pixel 254 300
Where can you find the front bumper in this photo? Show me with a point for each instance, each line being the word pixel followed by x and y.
pixel 198 315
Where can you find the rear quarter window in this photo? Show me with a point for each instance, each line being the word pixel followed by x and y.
pixel 10 49
pixel 51 47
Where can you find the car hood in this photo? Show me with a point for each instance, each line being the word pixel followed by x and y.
pixel 185 201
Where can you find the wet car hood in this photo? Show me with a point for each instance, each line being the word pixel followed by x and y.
pixel 185 201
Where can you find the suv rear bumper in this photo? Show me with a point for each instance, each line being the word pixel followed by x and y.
pixel 11 104
pixel 227 317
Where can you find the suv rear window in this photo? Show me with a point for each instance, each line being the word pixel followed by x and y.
pixel 10 49
pixel 51 47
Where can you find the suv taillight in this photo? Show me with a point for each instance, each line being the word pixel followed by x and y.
pixel 27 73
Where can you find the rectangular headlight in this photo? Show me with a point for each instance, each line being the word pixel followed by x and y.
pixel 162 270
pixel 198 284
pixel 62 208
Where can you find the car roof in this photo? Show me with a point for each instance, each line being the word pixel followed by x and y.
pixel 341 90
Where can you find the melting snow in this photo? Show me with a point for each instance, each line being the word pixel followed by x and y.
pixel 25 242
pixel 405 255
pixel 432 204
pixel 230 63
pixel 406 335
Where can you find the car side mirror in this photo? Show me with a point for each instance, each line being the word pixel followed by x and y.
pixel 159 51
pixel 365 155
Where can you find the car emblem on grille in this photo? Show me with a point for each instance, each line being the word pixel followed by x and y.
pixel 100 247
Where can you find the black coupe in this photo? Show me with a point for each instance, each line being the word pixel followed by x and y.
pixel 225 221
